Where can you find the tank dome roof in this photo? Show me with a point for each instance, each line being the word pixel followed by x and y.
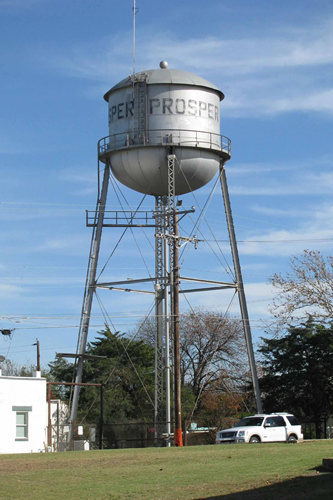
pixel 166 76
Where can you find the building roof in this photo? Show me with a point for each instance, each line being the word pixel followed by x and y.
pixel 166 76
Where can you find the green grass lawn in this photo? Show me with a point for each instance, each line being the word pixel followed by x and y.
pixel 263 471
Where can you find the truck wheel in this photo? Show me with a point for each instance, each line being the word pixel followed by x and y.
pixel 254 439
pixel 292 438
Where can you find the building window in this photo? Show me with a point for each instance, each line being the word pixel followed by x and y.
pixel 22 425
pixel 22 421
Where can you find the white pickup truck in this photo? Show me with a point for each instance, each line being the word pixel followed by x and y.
pixel 263 429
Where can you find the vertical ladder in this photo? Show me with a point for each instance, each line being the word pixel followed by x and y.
pixel 140 108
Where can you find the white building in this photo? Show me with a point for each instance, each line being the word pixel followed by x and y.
pixel 23 414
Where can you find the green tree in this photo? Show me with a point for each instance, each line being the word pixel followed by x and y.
pixel 127 374
pixel 298 373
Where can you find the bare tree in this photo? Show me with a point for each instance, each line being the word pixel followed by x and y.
pixel 12 369
pixel 212 349
pixel 307 290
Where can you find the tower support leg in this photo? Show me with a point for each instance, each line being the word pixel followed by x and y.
pixel 159 326
pixel 89 291
pixel 176 338
pixel 240 287
pixel 167 330
pixel 162 324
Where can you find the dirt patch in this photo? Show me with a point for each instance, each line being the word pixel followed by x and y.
pixel 53 462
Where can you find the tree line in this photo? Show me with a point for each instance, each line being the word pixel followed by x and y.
pixel 213 371
pixel 295 365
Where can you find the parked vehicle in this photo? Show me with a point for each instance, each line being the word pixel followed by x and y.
pixel 261 428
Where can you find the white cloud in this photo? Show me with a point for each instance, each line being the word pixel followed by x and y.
pixel 18 4
pixel 281 212
pixel 101 60
pixel 10 291
pixel 317 101
pixel 79 177
pixel 260 75
pixel 74 244
pixel 310 228
pixel 50 280
pixel 258 295
pixel 18 211
pixel 315 232
pixel 299 182
pixel 244 168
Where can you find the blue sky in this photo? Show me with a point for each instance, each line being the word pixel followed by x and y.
pixel 273 61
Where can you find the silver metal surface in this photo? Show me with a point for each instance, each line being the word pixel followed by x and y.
pixel 153 110
pixel 218 144
pixel 140 162
pixel 169 76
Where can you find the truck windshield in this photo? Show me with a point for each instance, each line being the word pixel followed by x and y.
pixel 250 421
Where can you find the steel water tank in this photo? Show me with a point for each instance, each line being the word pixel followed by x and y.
pixel 157 112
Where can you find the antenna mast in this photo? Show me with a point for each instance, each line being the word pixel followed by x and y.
pixel 134 16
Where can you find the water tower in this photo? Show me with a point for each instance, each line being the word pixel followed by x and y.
pixel 164 140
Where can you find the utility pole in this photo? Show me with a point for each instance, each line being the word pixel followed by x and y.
pixel 38 354
pixel 175 319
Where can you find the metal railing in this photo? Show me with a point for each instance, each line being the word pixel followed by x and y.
pixel 165 137
pixel 123 218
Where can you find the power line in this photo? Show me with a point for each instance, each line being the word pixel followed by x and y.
pixel 271 241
